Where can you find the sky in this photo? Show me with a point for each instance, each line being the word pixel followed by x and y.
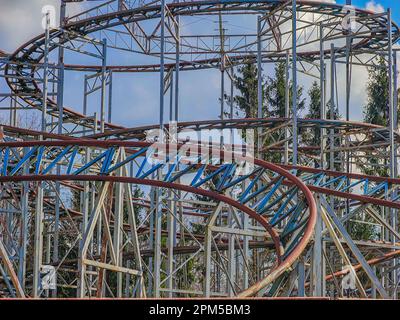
pixel 136 96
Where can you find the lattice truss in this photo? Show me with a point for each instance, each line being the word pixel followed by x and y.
pixel 85 211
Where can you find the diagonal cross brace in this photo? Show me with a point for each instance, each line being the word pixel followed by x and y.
pixel 356 252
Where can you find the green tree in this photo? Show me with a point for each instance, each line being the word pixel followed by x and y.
pixel 274 89
pixel 332 113
pixel 312 136
pixel 376 111
pixel 335 110
pixel 314 110
pixel 246 84
pixel 377 107
pixel 275 93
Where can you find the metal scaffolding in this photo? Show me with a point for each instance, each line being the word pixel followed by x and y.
pixel 85 211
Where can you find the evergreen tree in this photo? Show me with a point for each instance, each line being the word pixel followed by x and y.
pixel 246 83
pixel 273 92
pixel 336 115
pixel 311 137
pixel 376 110
pixel 275 88
pixel 332 113
pixel 314 111
pixel 273 96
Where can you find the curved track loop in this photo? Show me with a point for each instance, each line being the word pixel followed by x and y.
pixel 311 176
pixel 277 197
pixel 42 156
pixel 20 70
pixel 295 219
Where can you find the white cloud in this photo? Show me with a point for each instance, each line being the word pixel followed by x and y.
pixel 375 7
pixel 21 20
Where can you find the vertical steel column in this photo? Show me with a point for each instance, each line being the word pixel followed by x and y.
pixel 110 94
pixel 332 106
pixel 45 74
pixel 259 71
pixel 294 89
pixel 259 85
pixel 392 127
pixel 13 111
pixel 287 106
pixel 207 253
pixel 318 258
pixel 222 92
pixel 85 197
pixel 85 95
pixel 177 67
pixel 207 250
pixel 88 206
pixel 103 85
pixel 152 214
pixel 39 214
pixel 317 254
pixel 162 66
pixel 373 287
pixel 38 242
pixel 60 82
pixel 231 255
pixel 171 99
pixel 171 213
pixel 348 74
pixel 177 205
pixel 322 88
pixel 245 253
pixel 348 91
pixel 392 115
pixel 259 115
pixel 118 225
pixel 231 95
pixel 395 93
pixel 294 79
pixel 86 186
pixel 15 120
pixel 87 239
pixel 24 228
pixel 60 106
pixel 158 210
pixel 222 67
pixel 301 278
pixel 171 241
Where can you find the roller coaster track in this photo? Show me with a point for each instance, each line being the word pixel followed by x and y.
pixel 42 156
pixel 20 75
pixel 303 214
pixel 277 198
